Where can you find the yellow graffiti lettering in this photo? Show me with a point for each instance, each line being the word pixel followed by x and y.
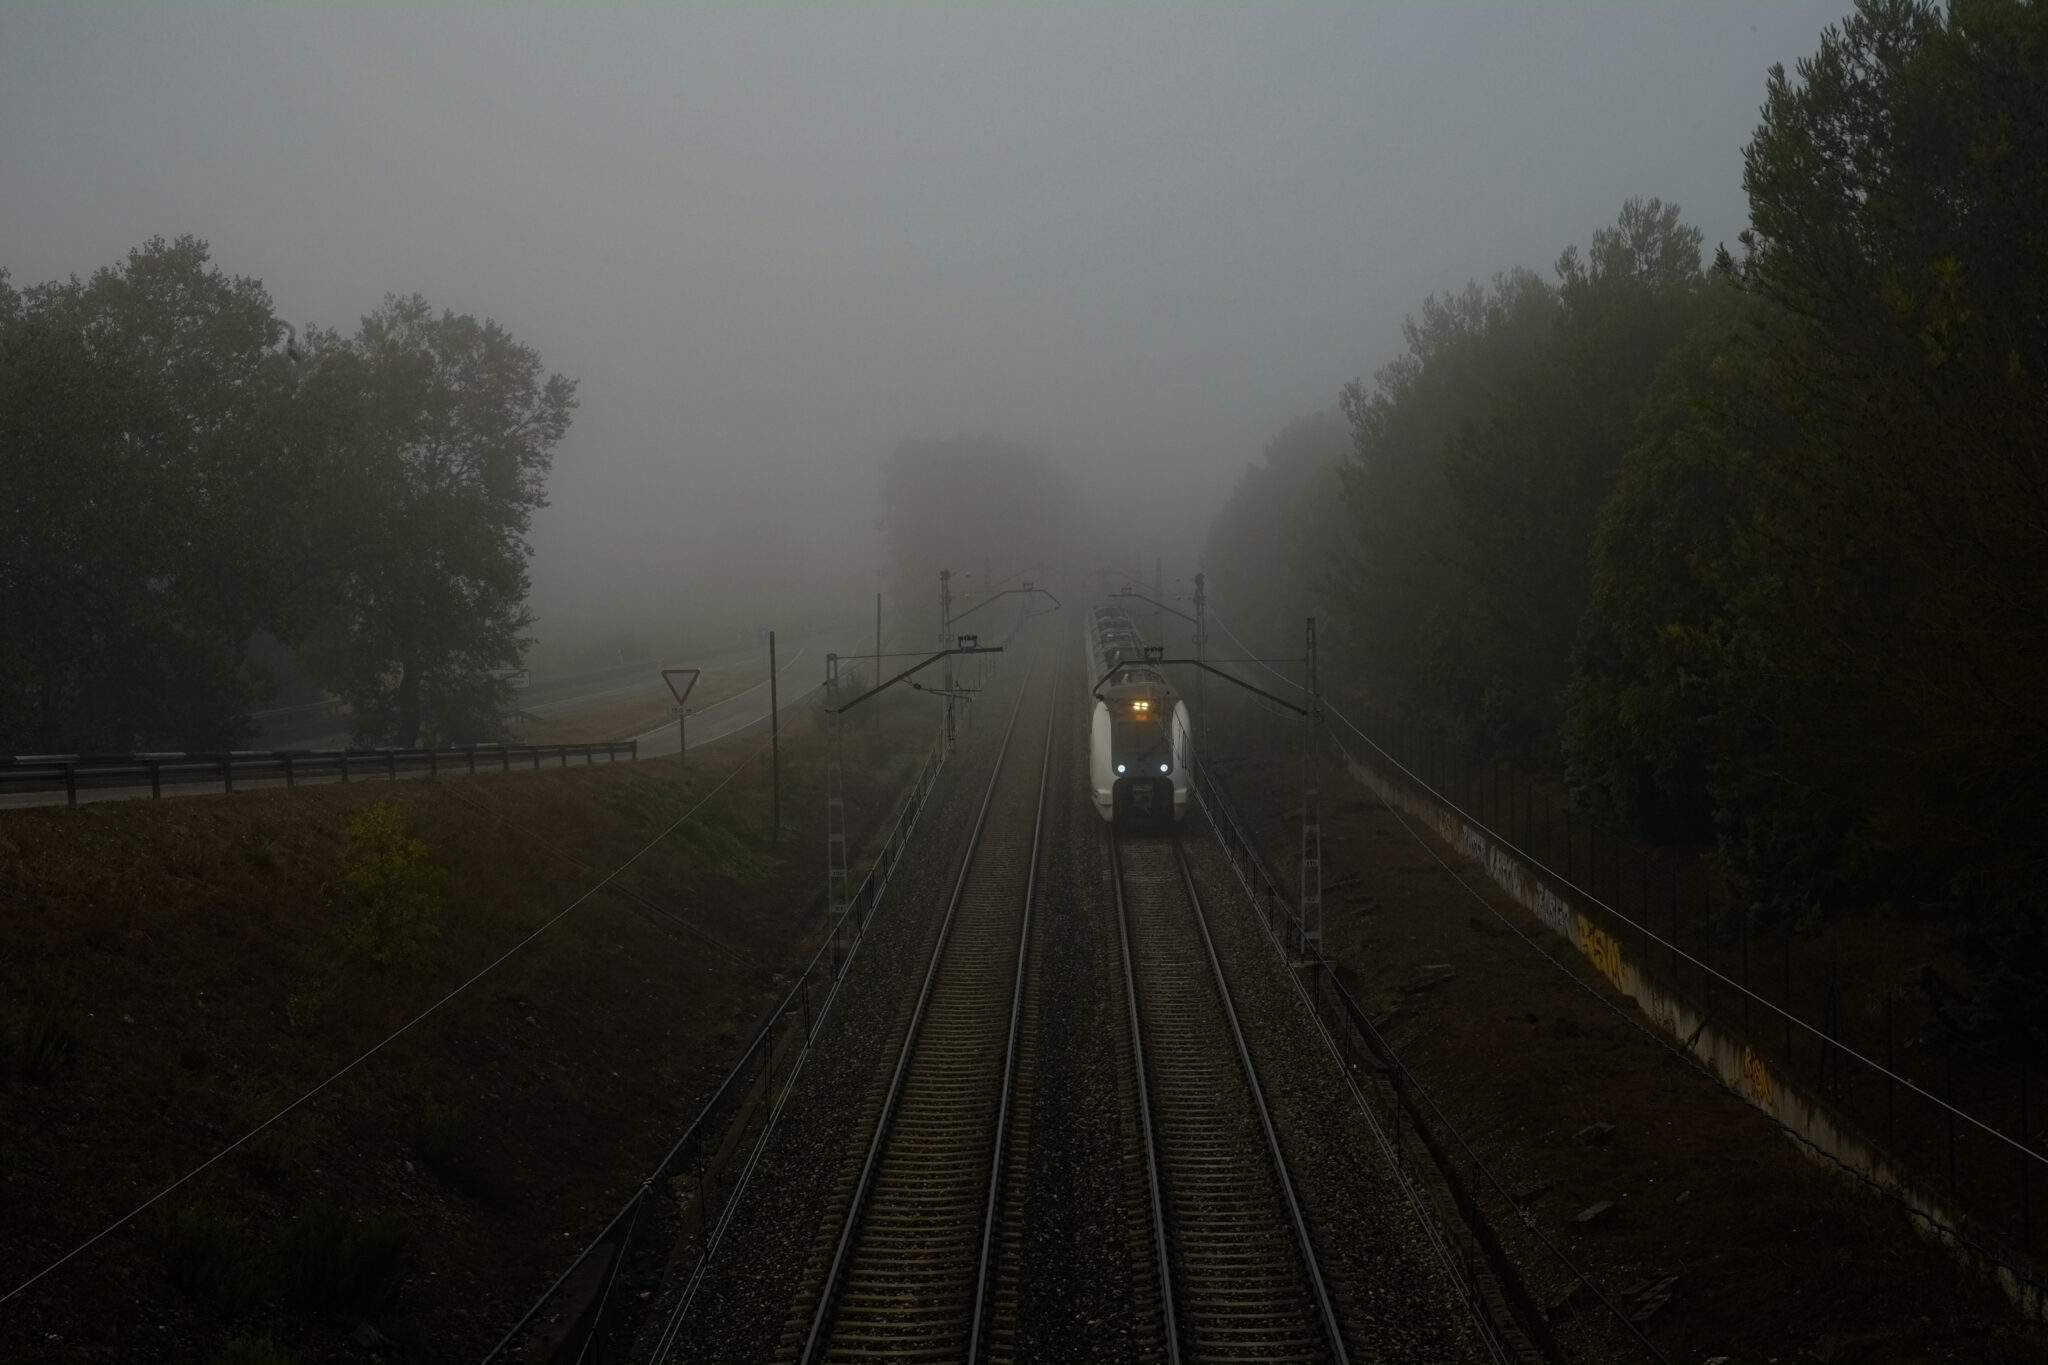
pixel 1756 1077
pixel 1603 950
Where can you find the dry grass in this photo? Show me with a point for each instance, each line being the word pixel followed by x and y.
pixel 189 960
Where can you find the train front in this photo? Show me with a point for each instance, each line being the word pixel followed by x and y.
pixel 1138 751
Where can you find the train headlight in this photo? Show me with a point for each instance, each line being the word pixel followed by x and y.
pixel 1162 767
pixel 1119 767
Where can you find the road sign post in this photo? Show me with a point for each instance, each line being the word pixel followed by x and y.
pixel 688 678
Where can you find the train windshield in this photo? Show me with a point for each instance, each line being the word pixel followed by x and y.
pixel 1142 737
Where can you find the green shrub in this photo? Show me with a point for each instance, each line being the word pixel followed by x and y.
pixel 210 1256
pixel 402 894
pixel 443 1137
pixel 272 1158
pixel 50 1037
pixel 301 1013
pixel 720 838
pixel 329 1262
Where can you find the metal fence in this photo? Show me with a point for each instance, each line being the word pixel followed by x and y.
pixel 1418 1130
pixel 676 1216
pixel 1841 1011
pixel 72 774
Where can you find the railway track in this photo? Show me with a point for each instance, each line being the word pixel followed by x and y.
pixel 909 1271
pixel 1238 1274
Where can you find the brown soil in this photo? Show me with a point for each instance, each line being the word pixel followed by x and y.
pixel 195 946
pixel 1527 1049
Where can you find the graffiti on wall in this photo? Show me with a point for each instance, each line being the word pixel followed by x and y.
pixel 1756 1077
pixel 1603 950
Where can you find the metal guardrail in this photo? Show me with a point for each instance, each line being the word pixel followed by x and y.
pixel 702 1174
pixel 73 773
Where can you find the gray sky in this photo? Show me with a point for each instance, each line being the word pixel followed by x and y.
pixel 771 242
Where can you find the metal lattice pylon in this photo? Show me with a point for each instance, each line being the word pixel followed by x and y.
pixel 1311 816
pixel 837 880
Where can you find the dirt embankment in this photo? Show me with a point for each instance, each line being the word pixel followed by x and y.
pixel 178 971
pixel 1686 1206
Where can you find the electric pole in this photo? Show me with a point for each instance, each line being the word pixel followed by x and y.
pixel 1201 639
pixel 946 642
pixel 1311 816
pixel 774 750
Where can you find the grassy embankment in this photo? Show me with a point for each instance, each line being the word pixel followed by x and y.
pixel 178 971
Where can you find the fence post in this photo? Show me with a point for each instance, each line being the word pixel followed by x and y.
pixel 433 762
pixel 156 780
pixel 1890 1081
pixel 472 760
pixel 391 765
pixel 288 783
pixel 227 772
pixel 70 784
pixel 2026 1171
pixel 1788 996
pixel 1745 968
pixel 1674 927
pixel 1948 1095
pixel 344 765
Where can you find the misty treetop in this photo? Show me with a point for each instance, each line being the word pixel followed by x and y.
pixel 956 502
pixel 1753 556
pixel 180 475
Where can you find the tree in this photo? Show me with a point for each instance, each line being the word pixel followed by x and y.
pixel 1528 472
pixel 452 430
pixel 1397 588
pixel 1822 582
pixel 950 504
pixel 1272 547
pixel 145 496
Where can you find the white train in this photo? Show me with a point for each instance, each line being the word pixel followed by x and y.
pixel 1139 737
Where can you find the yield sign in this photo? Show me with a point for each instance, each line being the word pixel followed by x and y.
pixel 689 680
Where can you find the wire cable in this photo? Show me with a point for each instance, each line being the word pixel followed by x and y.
pixel 372 1051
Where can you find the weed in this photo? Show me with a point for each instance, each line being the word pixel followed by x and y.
pixel 272 1159
pixel 721 839
pixel 50 1037
pixel 443 1136
pixel 301 1013
pixel 251 1351
pixel 260 847
pixel 210 1255
pixel 402 894
pixel 329 1262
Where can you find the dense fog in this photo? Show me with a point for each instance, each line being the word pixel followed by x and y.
pixel 769 245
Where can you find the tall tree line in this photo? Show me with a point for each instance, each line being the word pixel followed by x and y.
pixel 1754 556
pixel 181 475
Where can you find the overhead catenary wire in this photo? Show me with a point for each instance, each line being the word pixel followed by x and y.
pixel 1522 1214
pixel 377 1047
pixel 1644 929
pixel 1962 1236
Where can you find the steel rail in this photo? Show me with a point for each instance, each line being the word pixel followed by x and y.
pixel 1146 1133
pixel 978 1324
pixel 1310 1265
pixel 835 1274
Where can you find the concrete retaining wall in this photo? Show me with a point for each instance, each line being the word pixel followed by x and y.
pixel 1823 1134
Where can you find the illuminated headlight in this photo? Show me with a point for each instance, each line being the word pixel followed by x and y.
pixel 1119 767
pixel 1162 767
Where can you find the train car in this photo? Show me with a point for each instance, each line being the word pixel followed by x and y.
pixel 1139 739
